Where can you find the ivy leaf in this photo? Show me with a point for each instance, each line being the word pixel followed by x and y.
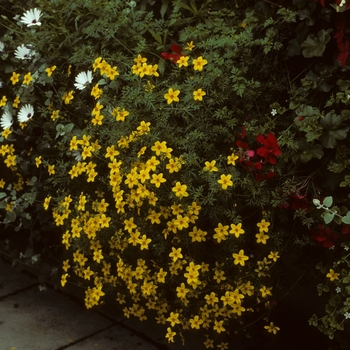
pixel 314 151
pixel 314 46
pixel 331 121
pixel 329 140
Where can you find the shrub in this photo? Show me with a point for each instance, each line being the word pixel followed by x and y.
pixel 168 147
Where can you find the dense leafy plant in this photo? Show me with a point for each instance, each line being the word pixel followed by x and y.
pixel 172 146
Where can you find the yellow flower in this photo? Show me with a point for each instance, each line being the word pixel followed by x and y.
pixel 16 102
pixel 225 181
pixel 272 328
pixel 240 258
pixel 38 161
pixel 180 190
pixel 231 159
pixel 27 78
pixel 176 254
pixel 50 70
pixel 157 179
pixel 173 319
pixel 69 70
pixel 332 275
pixel 263 226
pixel 55 114
pixel 236 230
pixel 51 169
pixel 218 326
pixel 67 97
pixel 96 92
pixel 265 291
pixel 198 95
pixel 273 256
pixel 183 61
pixel 190 46
pixel 6 133
pixel 47 202
pixel 2 183
pixel 15 78
pixel 210 166
pixel 170 335
pixel 261 237
pixel 3 101
pixel 171 96
pixel 199 63
pixel 64 279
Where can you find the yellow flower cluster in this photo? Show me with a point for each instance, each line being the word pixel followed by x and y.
pixel 105 68
pixel 141 68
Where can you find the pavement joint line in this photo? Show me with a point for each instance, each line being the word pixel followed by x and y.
pixel 84 338
pixel 76 300
pixel 19 291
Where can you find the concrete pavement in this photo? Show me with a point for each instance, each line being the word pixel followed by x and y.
pixel 31 319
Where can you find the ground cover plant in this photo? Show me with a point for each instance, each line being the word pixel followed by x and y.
pixel 189 158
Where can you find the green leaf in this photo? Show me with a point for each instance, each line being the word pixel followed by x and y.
pixel 328 201
pixel 328 217
pixel 331 121
pixel 346 218
pixel 346 280
pixel 2 195
pixel 314 46
pixel 293 48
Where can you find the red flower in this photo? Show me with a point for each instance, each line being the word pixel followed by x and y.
pixel 176 49
pixel 299 202
pixel 340 24
pixel 324 235
pixel 270 150
pixel 344 52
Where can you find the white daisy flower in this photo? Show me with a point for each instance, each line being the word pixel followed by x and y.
pixel 31 18
pixel 6 120
pixel 2 47
pixel 24 53
pixel 83 79
pixel 25 113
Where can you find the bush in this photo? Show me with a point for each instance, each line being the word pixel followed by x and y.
pixel 174 146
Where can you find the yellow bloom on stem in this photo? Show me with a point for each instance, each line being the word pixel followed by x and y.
pixel 51 169
pixel 232 159
pixel 3 101
pixel 172 96
pixel 157 179
pixel 218 326
pixel 180 190
pixel 176 254
pixel 190 46
pixel 38 161
pixel 273 256
pixel 6 133
pixel 263 226
pixel 50 70
pixel 14 78
pixel 198 95
pixel 225 181
pixel 272 328
pixel 183 61
pixel 199 63
pixel 47 202
pixel 170 335
pixel 27 78
pixel 210 166
pixel 265 291
pixel 236 230
pixel 67 97
pixel 240 258
pixel 173 318
pixel 16 102
pixel 261 237
pixel 332 275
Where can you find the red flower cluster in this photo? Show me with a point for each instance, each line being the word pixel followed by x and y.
pixel 324 235
pixel 175 55
pixel 343 45
pixel 255 160
pixel 337 2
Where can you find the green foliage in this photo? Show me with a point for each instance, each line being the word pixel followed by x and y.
pixel 246 120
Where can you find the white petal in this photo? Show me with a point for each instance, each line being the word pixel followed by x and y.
pixel 6 120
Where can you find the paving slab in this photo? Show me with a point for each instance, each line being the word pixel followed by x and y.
pixel 12 281
pixel 114 338
pixel 45 320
